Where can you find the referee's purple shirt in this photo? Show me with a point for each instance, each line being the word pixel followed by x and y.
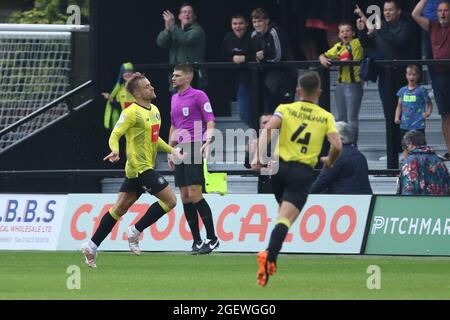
pixel 191 110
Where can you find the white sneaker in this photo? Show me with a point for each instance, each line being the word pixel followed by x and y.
pixel 89 255
pixel 133 240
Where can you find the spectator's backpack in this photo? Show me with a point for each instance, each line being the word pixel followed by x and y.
pixel 368 71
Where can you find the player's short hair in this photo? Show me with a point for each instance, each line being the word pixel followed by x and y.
pixel 447 2
pixel 260 13
pixel 415 137
pixel 133 83
pixel 309 82
pixel 185 68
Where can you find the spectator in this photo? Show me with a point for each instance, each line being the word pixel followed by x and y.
pixel 271 45
pixel 440 76
pixel 186 42
pixel 392 41
pixel 423 172
pixel 414 105
pixel 119 98
pixel 350 173
pixel 349 89
pixel 264 181
pixel 236 47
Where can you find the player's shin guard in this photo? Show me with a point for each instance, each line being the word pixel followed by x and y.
pixel 156 211
pixel 192 219
pixel 106 225
pixel 206 215
pixel 276 239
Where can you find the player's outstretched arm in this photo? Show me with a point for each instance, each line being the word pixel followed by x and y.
pixel 112 157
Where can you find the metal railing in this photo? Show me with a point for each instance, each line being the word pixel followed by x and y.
pixel 90 181
pixel 325 99
pixel 44 109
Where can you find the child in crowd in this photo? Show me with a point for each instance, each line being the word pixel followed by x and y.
pixel 349 89
pixel 414 105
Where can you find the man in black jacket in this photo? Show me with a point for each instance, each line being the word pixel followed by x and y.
pixel 271 45
pixel 350 172
pixel 392 40
pixel 237 48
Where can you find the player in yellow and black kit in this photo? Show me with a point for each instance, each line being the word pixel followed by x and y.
pixel 140 123
pixel 304 126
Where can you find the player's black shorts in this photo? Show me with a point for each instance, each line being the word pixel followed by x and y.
pixel 292 183
pixel 190 172
pixel 148 181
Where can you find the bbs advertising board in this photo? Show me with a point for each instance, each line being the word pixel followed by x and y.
pixel 30 222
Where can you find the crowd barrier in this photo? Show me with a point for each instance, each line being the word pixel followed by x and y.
pixel 331 224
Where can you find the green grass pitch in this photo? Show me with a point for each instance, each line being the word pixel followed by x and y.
pixel 220 276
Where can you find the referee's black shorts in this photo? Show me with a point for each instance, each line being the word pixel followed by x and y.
pixel 148 181
pixel 292 183
pixel 190 172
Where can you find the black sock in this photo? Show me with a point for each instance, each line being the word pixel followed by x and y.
pixel 150 217
pixel 104 228
pixel 205 212
pixel 276 241
pixel 192 219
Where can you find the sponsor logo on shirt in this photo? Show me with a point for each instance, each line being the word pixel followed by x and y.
pixel 207 107
pixel 155 132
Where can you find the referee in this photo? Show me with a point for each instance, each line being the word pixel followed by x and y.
pixel 192 126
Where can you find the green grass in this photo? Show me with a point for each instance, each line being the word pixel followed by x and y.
pixel 172 276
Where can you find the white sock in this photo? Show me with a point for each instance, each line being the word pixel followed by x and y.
pixel 134 230
pixel 92 245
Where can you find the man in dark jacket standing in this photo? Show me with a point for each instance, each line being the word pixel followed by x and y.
pixel 236 47
pixel 186 42
pixel 350 172
pixel 271 45
pixel 392 41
